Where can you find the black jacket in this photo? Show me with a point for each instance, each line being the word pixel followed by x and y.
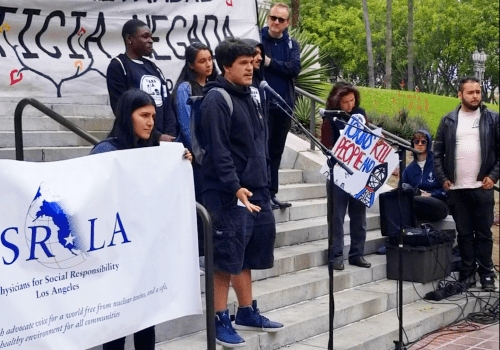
pixel 258 78
pixel 235 144
pixel 124 74
pixel 445 145
pixel 258 75
pixel 285 64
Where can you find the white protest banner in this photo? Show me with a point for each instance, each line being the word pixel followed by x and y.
pixel 96 248
pixel 63 48
pixel 371 160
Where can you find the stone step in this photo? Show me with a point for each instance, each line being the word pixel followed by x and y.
pixel 299 274
pixel 92 107
pixel 310 317
pixel 102 99
pixel 300 231
pixel 380 331
pixel 48 138
pixel 301 209
pixel 46 154
pixel 44 123
pixel 289 176
pixel 91 110
pixel 292 192
pixel 294 258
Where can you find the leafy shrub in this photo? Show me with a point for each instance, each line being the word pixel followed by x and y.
pixel 402 124
pixel 302 111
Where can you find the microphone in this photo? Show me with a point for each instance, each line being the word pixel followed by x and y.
pixel 326 113
pixel 264 85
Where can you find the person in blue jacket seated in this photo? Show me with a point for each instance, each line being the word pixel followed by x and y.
pixel 430 197
pixel 135 119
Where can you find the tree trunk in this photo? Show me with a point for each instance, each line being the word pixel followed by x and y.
pixel 492 98
pixel 295 13
pixel 371 74
pixel 388 46
pixel 411 84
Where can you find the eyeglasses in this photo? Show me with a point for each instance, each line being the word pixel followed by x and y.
pixel 422 142
pixel 274 18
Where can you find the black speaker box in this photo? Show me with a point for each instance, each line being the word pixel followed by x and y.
pixel 396 212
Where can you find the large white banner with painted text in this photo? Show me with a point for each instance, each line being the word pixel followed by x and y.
pixel 63 48
pixel 96 248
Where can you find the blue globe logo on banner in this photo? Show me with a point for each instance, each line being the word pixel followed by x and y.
pixel 58 244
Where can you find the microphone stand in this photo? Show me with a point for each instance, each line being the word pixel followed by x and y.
pixel 401 151
pixel 330 161
pixel 399 344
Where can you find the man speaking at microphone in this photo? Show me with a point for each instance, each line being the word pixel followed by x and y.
pixel 344 97
pixel 236 190
pixel 282 66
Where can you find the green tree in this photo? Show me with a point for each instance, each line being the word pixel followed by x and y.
pixel 338 28
pixel 371 74
pixel 388 45
pixel 411 84
pixel 445 33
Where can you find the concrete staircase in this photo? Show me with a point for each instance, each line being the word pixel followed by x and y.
pixel 46 140
pixel 295 291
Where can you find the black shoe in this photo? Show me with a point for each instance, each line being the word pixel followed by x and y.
pixel 488 283
pixel 361 262
pixel 338 265
pixel 274 206
pixel 280 204
pixel 468 282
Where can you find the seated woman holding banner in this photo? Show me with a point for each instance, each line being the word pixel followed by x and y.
pixel 134 123
pixel 344 97
pixel 430 198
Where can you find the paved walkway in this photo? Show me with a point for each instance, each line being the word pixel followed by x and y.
pixel 462 336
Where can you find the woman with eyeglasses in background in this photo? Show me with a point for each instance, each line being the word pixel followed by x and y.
pixel 430 197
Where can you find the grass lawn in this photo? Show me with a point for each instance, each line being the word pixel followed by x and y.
pixel 430 107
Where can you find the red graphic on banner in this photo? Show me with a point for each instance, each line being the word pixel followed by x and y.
pixel 229 3
pixel 81 32
pixel 79 64
pixel 13 80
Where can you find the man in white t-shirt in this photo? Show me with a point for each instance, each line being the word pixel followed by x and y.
pixel 466 162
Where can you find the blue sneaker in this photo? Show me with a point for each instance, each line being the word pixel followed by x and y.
pixel 225 334
pixel 249 318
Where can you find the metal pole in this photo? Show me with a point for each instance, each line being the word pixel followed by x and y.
pixel 312 122
pixel 18 128
pixel 209 275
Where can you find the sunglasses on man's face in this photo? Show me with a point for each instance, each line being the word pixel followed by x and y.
pixel 274 18
pixel 422 142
